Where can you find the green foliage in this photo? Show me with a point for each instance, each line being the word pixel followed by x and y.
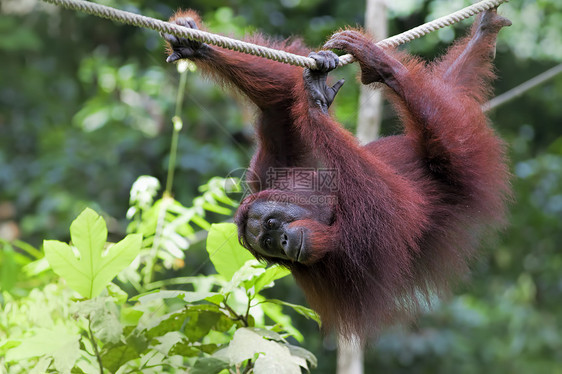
pixel 56 343
pixel 38 325
pixel 167 226
pixel 8 267
pixel 217 325
pixel 225 251
pixel 94 267
pixel 270 352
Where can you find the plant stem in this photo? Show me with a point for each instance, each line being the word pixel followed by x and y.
pixel 246 316
pixel 176 120
pixel 95 345
pixel 175 135
pixel 236 316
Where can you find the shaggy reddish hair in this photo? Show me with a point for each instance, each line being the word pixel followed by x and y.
pixel 411 209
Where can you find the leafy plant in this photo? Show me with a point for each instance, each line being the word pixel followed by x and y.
pixel 169 228
pixel 219 326
pixel 94 267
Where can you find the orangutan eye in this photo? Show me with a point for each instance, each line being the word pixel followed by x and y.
pixel 270 223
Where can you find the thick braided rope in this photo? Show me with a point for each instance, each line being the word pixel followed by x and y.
pixel 257 50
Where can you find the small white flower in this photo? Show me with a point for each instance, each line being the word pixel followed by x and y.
pixel 143 191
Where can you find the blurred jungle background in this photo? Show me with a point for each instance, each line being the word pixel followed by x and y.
pixel 86 107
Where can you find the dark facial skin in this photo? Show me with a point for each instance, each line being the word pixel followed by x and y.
pixel 268 230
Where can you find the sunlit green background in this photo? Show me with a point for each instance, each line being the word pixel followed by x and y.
pixel 85 108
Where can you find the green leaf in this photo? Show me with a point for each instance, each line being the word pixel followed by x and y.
pixel 245 276
pixel 192 297
pixel 267 334
pixel 271 274
pixel 173 343
pixel 284 321
pixel 195 321
pixel 58 342
pixel 185 349
pixel 215 299
pixel 130 316
pixel 119 296
pixel 225 251
pixel 137 339
pixel 114 356
pixel 302 310
pixel 187 296
pixel 272 356
pixel 167 341
pixel 304 354
pixel 158 294
pixel 41 366
pixel 209 365
pixel 244 346
pixel 8 268
pixel 94 269
pixel 208 348
pixel 217 209
pixel 104 318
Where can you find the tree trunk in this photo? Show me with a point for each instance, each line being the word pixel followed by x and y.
pixel 350 356
pixel 370 101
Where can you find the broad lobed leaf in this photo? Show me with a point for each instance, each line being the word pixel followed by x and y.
pixel 90 273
